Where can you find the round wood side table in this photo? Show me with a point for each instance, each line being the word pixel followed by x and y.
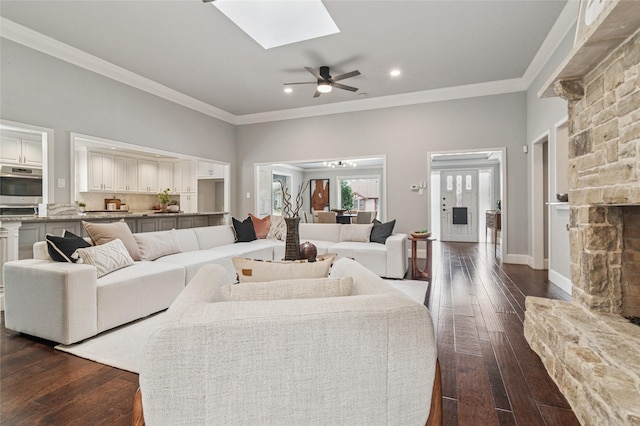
pixel 415 271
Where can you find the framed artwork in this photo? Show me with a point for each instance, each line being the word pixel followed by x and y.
pixel 319 194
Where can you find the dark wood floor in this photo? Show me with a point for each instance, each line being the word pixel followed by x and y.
pixel 490 376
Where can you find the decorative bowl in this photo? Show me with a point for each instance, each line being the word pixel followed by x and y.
pixel 420 234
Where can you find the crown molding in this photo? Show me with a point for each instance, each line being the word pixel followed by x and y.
pixel 560 29
pixel 404 99
pixel 52 47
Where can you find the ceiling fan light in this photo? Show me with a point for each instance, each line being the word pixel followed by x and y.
pixel 324 87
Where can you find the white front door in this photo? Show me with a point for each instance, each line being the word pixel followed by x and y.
pixel 459 205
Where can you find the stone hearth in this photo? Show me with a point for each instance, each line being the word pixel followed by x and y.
pixel 587 346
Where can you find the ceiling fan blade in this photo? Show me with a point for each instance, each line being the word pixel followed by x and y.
pixel 345 87
pixel 315 95
pixel 315 73
pixel 306 82
pixel 346 75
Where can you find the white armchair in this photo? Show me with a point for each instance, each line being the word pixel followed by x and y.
pixel 368 358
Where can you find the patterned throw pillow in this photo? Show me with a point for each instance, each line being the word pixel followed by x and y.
pixel 106 257
pixel 288 289
pixel 250 270
pixel 61 249
pixel 261 226
pixel 278 229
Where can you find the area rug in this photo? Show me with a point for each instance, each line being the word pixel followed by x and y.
pixel 123 347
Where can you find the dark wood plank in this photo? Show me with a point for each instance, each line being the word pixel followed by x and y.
pixel 554 416
pixel 450 412
pixel 475 404
pixel 523 404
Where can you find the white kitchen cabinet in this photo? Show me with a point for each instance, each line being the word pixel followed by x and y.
pixel 95 171
pixel 165 176
pixel 208 169
pixel 148 176
pixel 189 202
pixel 126 174
pixel 19 150
pixel 188 178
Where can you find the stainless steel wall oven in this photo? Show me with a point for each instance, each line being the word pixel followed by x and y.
pixel 20 189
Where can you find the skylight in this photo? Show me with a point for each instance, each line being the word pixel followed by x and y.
pixel 274 23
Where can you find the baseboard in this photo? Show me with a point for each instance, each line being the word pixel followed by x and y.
pixel 421 253
pixel 561 281
pixel 518 259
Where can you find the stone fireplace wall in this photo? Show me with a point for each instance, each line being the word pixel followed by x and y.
pixel 631 262
pixel 604 162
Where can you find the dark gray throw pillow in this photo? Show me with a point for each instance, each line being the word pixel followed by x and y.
pixel 244 230
pixel 381 231
pixel 61 248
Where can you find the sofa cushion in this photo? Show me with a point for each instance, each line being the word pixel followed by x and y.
pixel 214 236
pixel 357 233
pixel 320 231
pixel 101 233
pixel 137 291
pixel 193 260
pixel 61 249
pixel 261 226
pixel 372 256
pixel 382 231
pixel 187 239
pixel 106 257
pixel 250 270
pixel 288 289
pixel 244 230
pixel 161 244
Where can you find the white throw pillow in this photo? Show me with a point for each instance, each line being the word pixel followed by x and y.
pixel 250 270
pixel 153 246
pixel 356 233
pixel 288 289
pixel 106 257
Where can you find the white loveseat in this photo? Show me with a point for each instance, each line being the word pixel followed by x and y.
pixel 66 302
pixel 366 357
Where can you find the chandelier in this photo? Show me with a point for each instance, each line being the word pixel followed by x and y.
pixel 341 163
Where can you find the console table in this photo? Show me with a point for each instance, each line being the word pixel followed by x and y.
pixel 494 222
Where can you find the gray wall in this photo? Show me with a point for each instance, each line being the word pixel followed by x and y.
pixel 40 90
pixel 542 116
pixel 405 135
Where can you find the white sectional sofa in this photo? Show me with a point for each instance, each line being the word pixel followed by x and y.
pixel 66 302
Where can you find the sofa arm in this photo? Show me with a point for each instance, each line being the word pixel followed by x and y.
pixel 204 287
pixel 347 360
pixel 397 256
pixel 53 300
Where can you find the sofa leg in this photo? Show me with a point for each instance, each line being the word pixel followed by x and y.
pixel 137 417
pixel 435 414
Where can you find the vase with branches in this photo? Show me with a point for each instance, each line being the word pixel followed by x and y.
pixel 292 220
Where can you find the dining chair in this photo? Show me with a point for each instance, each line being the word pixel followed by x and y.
pixel 364 217
pixel 326 217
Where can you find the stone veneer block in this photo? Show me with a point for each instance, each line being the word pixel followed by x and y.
pixel 591 356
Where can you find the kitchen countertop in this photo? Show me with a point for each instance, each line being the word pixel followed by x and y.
pixel 102 215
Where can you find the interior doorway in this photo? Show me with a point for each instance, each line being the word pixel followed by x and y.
pixel 482 173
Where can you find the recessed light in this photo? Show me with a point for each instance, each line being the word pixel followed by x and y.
pixel 288 90
pixel 394 73
pixel 113 147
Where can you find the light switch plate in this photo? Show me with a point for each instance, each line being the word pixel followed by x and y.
pixel 61 183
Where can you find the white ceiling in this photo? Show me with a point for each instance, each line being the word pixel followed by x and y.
pixel 191 47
